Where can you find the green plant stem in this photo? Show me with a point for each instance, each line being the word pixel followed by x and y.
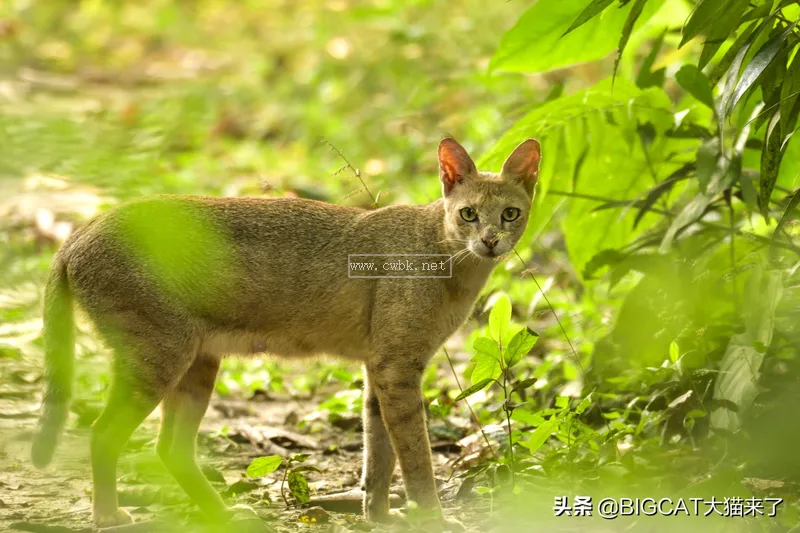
pixel 552 310
pixel 733 259
pixel 506 399
pixel 283 482
pixel 474 416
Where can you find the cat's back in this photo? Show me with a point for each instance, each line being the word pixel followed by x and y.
pixel 165 221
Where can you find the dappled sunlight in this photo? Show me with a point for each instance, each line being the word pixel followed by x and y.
pixel 630 364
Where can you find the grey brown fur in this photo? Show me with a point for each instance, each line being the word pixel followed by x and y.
pixel 175 283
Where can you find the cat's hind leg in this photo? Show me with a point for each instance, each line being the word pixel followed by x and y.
pixel 182 412
pixel 144 370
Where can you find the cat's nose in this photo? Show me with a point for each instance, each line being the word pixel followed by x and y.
pixel 490 242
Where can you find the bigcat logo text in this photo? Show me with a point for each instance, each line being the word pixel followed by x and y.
pixel 610 508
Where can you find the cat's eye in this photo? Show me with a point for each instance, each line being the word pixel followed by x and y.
pixel 510 214
pixel 469 214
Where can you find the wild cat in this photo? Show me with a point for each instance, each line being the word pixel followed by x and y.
pixel 174 283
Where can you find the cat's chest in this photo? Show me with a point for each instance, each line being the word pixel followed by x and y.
pixel 460 298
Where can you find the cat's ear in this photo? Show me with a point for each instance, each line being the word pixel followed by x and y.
pixel 523 164
pixel 455 164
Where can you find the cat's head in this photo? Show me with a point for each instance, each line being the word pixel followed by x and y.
pixel 486 212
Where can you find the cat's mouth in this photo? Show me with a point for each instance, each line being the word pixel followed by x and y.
pixel 484 252
pixel 481 251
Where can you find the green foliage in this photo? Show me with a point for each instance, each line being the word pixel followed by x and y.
pixel 297 482
pixel 695 83
pixel 475 387
pixel 658 267
pixel 294 481
pixel 521 344
pixel 555 33
pixel 662 183
pixel 740 366
pixel 264 466
pixel 499 319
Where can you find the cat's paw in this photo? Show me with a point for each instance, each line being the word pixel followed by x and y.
pixel 118 518
pixel 386 516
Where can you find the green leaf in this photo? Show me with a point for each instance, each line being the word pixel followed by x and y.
pixel 479 386
pixel 487 346
pixel 585 403
pixel 760 61
pixel 749 193
pixel 771 157
pixel 739 370
pixel 757 12
pixel 524 384
pixel 593 9
pixel 659 190
pixel 695 83
pixel 535 43
pixel 695 413
pixel 627 28
pixel 705 12
pixel 745 38
pixel 790 214
pixel 688 215
pixel 519 346
pixel 647 77
pixel 680 399
pixel 722 29
pixel 264 466
pixel 306 468
pixel 674 352
pixel 298 486
pixel 486 367
pixel 707 159
pixel 541 434
pixel 500 317
pixel 790 97
pixel 733 75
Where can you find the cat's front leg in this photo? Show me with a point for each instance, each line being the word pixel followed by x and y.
pixel 379 457
pixel 397 380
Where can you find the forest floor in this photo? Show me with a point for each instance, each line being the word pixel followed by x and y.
pixel 234 432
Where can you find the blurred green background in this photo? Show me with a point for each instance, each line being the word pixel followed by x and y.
pixel 658 269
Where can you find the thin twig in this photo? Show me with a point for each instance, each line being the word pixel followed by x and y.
pixel 552 309
pixel 353 169
pixel 733 258
pixel 764 111
pixel 474 416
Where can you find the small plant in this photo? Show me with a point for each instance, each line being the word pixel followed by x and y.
pixel 292 477
pixel 495 356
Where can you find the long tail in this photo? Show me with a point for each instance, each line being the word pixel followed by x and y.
pixel 59 359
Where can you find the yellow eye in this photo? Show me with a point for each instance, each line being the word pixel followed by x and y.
pixel 510 214
pixel 469 214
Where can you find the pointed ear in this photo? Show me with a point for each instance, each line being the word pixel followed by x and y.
pixel 523 164
pixel 455 164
